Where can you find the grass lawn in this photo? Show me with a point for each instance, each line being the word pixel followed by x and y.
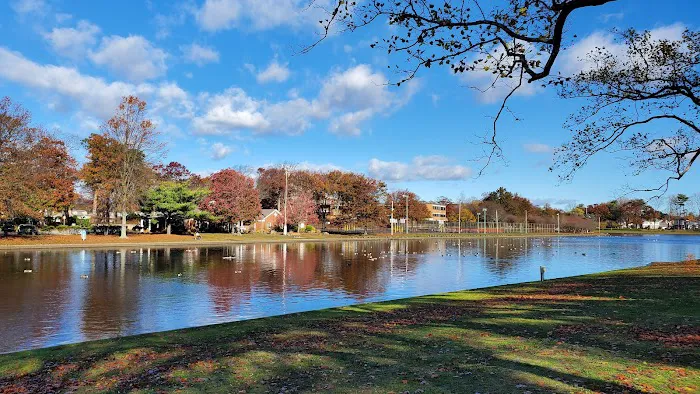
pixel 629 331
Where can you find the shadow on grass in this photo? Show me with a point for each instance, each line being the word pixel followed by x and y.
pixel 617 333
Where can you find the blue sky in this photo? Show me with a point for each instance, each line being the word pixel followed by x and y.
pixel 227 85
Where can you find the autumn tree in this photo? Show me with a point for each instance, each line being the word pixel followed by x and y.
pixel 100 171
pixel 270 185
pixel 137 139
pixel 233 197
pixel 357 198
pixel 172 172
pixel 37 173
pixel 417 210
pixel 54 176
pixel 175 200
pixel 301 208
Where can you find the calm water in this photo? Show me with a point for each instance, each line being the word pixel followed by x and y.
pixel 79 295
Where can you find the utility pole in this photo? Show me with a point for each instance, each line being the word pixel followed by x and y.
pixel 459 225
pixel 391 222
pixel 497 221
pixel 406 213
pixel 598 224
pixel 484 220
pixel 478 220
pixel 286 187
pixel 525 222
pixel 558 228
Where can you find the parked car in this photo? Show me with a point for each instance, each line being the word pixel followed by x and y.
pixel 106 230
pixel 27 229
pixel 8 227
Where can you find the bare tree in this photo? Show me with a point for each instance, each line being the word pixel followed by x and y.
pixel 138 142
pixel 516 41
pixel 644 102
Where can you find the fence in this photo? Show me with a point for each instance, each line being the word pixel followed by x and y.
pixel 452 228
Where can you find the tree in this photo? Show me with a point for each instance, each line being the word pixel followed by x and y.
pixel 137 139
pixel 417 210
pixel 233 197
pixel 174 200
pixel 357 198
pixel 54 177
pixel 270 185
pixel 515 41
pixel 101 170
pixel 173 172
pixel 643 102
pixel 302 208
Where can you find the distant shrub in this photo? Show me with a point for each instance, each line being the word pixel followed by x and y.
pixel 310 229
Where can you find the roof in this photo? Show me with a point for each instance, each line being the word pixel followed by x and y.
pixel 267 212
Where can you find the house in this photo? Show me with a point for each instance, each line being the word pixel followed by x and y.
pixel 438 212
pixel 267 220
pixel 657 224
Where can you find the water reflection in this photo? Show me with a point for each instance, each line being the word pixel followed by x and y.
pixel 77 295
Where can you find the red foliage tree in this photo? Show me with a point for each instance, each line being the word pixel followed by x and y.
pixel 233 197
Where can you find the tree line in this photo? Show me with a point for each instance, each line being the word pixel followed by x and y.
pixel 122 174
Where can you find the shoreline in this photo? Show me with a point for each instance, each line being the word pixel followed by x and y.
pixel 117 243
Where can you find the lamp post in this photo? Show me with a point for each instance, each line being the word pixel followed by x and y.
pixel 484 220
pixel 525 222
pixel 478 220
pixel 558 228
pixel 406 213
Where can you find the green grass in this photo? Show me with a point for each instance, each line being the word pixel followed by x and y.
pixel 647 231
pixel 629 331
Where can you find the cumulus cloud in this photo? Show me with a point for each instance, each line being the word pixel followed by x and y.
pixel 422 168
pixel 94 96
pixel 219 151
pixel 199 55
pixel 73 42
pixel 133 57
pixel 538 148
pixel 216 15
pixel 347 98
pixel 275 72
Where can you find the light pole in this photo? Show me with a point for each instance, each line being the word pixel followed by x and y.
pixel 525 222
pixel 406 213
pixel 484 220
pixel 478 220
pixel 286 187
pixel 558 228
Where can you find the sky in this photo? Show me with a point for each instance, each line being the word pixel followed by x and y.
pixel 228 86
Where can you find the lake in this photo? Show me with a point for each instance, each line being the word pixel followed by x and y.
pixel 74 295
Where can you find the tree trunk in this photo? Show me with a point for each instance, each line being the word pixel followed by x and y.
pixel 169 228
pixel 232 228
pixel 123 225
pixel 94 204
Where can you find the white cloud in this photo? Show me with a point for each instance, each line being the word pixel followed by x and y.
pixel 349 124
pixel 23 7
pixel 231 110
pixel 274 72
pixel 95 97
pixel 612 16
pixel 422 168
pixel 199 55
pixel 538 148
pixel 306 166
pixel 346 98
pixel 215 15
pixel 576 58
pixel 220 151
pixel 133 57
pixel 73 42
pixel 62 17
